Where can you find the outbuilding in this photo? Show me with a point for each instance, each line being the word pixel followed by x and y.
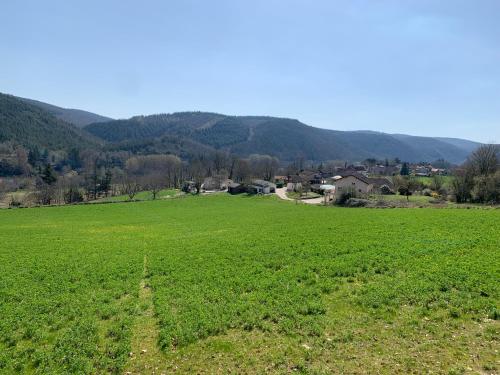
pixel 235 188
pixel 263 187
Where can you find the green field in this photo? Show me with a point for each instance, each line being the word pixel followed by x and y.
pixel 236 284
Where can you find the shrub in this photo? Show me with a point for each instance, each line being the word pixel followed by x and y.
pixel 345 196
pixel 73 196
pixel 355 202
pixel 427 192
pixel 14 202
pixel 403 190
pixel 487 189
pixel 386 190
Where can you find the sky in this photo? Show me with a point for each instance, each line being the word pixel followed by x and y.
pixel 420 67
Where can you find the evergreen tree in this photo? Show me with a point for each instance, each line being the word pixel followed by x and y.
pixel 34 156
pixel 48 175
pixel 105 185
pixel 405 170
pixel 74 159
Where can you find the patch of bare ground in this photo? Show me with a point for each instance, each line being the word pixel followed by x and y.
pixel 145 355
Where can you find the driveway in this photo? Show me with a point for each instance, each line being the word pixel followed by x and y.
pixel 281 192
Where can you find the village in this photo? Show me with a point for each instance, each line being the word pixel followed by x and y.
pixel 353 182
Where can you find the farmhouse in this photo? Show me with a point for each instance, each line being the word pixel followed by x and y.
pixel 356 181
pixel 294 183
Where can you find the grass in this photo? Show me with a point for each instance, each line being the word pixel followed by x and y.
pixel 412 200
pixel 428 180
pixel 307 195
pixel 143 196
pixel 220 284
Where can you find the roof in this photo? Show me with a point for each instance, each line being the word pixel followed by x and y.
pixel 327 187
pixel 359 176
pixel 234 185
pixel 379 181
pixel 262 183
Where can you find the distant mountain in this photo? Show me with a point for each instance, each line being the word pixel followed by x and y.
pixel 30 122
pixel 29 125
pixel 284 138
pixel 461 143
pixel 76 117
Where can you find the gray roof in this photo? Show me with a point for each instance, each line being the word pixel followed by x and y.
pixel 262 183
pixel 359 176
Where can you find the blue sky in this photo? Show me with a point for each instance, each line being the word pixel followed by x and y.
pixel 417 67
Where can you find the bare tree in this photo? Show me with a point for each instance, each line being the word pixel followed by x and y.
pixel 198 170
pixel 22 160
pixel 156 172
pixel 462 184
pixel 130 186
pixel 264 166
pixel 154 182
pixel 45 193
pixel 484 160
pixel 241 171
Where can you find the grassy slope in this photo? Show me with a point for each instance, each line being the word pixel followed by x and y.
pixel 248 284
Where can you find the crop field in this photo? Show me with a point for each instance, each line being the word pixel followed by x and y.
pixel 232 284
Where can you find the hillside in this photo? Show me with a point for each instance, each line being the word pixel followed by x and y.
pixel 284 138
pixel 76 117
pixel 31 122
pixel 461 143
pixel 30 126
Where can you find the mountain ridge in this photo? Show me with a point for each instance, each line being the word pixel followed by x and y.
pixel 29 122
pixel 77 117
pixel 284 138
pixel 31 126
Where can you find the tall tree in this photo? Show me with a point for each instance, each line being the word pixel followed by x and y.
pixel 484 160
pixel 405 170
pixel 48 175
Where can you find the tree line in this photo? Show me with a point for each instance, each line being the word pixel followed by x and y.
pixel 86 175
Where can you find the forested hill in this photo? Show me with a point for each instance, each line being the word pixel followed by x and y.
pixel 33 123
pixel 285 138
pixel 76 117
pixel 30 126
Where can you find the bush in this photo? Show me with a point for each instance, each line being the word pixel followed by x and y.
pixel 73 196
pixel 14 202
pixel 355 202
pixel 386 190
pixel 487 189
pixel 345 196
pixel 403 190
pixel 427 192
